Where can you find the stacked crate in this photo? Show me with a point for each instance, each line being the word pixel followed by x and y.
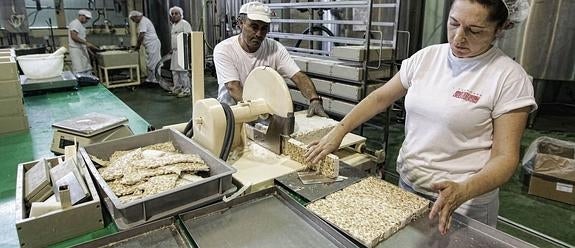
pixel 12 115
pixel 341 81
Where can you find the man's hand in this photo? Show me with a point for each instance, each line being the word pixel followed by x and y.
pixel 451 196
pixel 316 108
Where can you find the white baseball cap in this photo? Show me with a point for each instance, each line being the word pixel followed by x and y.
pixel 257 11
pixel 135 13
pixel 85 13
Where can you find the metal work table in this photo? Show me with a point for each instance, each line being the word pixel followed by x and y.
pixel 464 232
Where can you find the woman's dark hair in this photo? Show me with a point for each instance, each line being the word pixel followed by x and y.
pixel 498 12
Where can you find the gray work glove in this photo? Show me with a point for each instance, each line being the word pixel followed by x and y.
pixel 316 108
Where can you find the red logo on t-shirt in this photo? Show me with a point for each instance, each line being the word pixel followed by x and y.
pixel 467 96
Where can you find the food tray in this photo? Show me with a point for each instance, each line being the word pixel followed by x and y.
pixel 161 233
pixel 464 232
pixel 171 202
pixel 268 218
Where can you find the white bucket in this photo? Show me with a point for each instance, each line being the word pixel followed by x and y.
pixel 40 66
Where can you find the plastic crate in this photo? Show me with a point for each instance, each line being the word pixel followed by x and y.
pixel 168 203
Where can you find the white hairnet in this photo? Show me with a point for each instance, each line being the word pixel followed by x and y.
pixel 517 10
pixel 135 13
pixel 176 8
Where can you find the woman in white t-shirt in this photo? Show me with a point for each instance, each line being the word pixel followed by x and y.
pixel 467 105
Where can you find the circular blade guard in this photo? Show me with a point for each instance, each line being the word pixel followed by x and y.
pixel 265 83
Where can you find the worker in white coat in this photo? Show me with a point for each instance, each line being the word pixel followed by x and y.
pixel 148 37
pixel 180 76
pixel 78 44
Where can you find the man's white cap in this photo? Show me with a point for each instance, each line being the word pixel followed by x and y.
pixel 135 13
pixel 257 11
pixel 85 13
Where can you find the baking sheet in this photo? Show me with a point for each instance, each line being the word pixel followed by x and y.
pixel 90 124
pixel 268 218
pixel 464 232
pixel 312 192
pixel 160 234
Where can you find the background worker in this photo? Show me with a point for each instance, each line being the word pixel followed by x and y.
pixel 180 76
pixel 147 36
pixel 77 43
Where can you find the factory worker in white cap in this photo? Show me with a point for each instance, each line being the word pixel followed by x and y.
pixel 466 106
pixel 180 76
pixel 78 44
pixel 147 36
pixel 237 56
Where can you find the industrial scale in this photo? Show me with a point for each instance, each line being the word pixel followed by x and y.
pixel 88 129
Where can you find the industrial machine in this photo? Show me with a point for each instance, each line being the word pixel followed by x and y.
pixel 88 129
pixel 258 129
pixel 271 104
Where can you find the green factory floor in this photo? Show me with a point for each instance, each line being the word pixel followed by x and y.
pixel 150 106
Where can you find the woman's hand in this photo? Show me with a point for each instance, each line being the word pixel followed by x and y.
pixel 451 196
pixel 317 150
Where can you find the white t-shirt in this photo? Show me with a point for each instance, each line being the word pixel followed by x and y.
pixel 145 26
pixel 451 104
pixel 77 26
pixel 181 27
pixel 234 64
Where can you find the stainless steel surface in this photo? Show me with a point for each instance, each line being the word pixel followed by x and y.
pixel 277 128
pixel 177 200
pixel 91 124
pixel 268 218
pixel 544 45
pixel 465 232
pixel 66 80
pixel 314 192
pixel 162 233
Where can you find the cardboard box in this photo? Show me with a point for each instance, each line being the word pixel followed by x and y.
pixel 13 123
pixel 8 69
pixel 11 106
pixel 553 178
pixel 59 225
pixel 10 88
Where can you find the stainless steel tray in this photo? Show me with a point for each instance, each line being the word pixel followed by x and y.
pixel 161 233
pixel 90 124
pixel 313 192
pixel 268 218
pixel 171 202
pixel 464 232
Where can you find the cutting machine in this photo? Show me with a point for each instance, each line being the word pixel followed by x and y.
pixel 265 113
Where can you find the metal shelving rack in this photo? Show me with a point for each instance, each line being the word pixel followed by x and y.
pixel 385 25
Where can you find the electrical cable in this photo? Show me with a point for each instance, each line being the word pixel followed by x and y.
pixel 230 131
pixel 188 130
pixel 314 29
